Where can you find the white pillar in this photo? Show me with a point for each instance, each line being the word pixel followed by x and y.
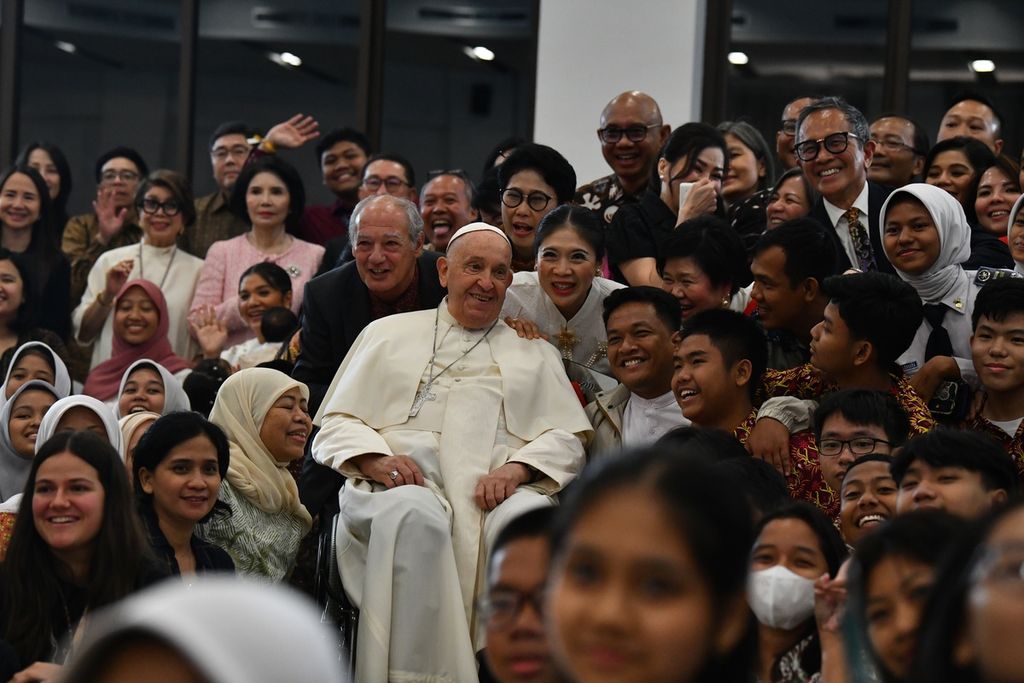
pixel 589 51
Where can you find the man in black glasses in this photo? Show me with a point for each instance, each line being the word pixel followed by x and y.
pixel 856 422
pixel 517 645
pixel 785 138
pixel 388 174
pixel 834 147
pixel 631 134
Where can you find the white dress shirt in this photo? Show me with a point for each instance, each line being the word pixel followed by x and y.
pixel 644 421
pixel 838 217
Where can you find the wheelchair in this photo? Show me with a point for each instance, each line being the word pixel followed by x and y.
pixel 337 611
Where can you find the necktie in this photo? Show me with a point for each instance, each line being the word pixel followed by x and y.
pixel 861 240
pixel 938 341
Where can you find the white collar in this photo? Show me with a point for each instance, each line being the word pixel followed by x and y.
pixel 861 202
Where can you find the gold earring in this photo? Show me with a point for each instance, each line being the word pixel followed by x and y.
pixel 725 302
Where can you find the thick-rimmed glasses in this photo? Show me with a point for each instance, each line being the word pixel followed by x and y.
pixel 612 134
pixel 835 143
pixel 536 200
pixel 862 445
pixel 500 609
pixel 170 208
pixel 391 184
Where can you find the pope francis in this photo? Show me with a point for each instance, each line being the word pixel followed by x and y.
pixel 447 424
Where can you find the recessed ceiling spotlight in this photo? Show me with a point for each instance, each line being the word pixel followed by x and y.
pixel 982 66
pixel 738 58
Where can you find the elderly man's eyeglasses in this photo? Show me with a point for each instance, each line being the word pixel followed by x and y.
pixel 612 134
pixel 891 145
pixel 126 176
pixel 836 143
pixel 862 445
pixel 789 127
pixel 500 609
pixel 236 151
pixel 536 200
pixel 170 208
pixel 391 184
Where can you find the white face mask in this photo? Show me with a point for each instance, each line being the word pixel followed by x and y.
pixel 780 598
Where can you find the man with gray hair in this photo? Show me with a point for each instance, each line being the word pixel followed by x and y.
pixel 834 148
pixel 446 425
pixel 391 273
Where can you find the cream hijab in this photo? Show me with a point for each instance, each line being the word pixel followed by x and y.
pixel 242 404
pixel 954 240
pixel 130 424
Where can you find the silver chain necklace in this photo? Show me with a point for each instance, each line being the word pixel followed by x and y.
pixel 424 394
pixel 142 273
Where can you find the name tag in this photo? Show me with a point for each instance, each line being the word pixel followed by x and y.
pixel 909 368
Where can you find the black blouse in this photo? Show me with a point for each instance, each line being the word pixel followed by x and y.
pixel 209 557
pixel 638 231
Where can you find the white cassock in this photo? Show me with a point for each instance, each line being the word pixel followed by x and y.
pixel 412 558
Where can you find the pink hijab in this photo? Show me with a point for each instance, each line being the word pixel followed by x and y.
pixel 105 379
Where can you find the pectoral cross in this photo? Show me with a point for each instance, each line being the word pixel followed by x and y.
pixel 422 396
pixel 566 339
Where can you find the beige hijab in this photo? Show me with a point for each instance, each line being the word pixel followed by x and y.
pixel 242 404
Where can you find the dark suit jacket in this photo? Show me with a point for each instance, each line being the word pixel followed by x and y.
pixel 335 309
pixel 876 197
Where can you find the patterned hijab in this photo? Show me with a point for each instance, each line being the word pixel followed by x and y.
pixel 104 380
pixel 242 405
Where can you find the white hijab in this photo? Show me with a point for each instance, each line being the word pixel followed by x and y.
pixel 175 398
pixel 1009 228
pixel 954 240
pixel 14 467
pixel 242 404
pixel 232 630
pixel 61 377
pixel 49 425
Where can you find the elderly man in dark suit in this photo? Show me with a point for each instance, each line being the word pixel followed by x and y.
pixel 391 273
pixel 834 149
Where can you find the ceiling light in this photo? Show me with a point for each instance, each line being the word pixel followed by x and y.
pixel 738 58
pixel 479 53
pixel 65 46
pixel 982 66
pixel 286 59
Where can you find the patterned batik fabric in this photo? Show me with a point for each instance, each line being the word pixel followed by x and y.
pixel 1014 446
pixel 807 382
pixel 804 482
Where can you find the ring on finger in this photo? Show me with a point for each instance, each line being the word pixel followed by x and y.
pixel 393 474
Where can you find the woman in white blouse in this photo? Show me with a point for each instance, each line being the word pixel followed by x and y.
pixel 166 208
pixel 563 296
